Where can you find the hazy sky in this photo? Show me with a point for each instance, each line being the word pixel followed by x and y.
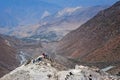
pixel 15 11
pixel 62 3
pixel 70 3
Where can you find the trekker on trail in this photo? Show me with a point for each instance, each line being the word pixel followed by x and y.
pixel 39 58
pixel 44 55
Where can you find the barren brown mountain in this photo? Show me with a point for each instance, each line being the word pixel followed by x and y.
pixel 8 59
pixel 96 41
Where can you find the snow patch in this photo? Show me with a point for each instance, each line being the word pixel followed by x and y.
pixel 45 14
pixel 67 11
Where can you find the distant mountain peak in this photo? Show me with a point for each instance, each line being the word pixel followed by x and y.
pixel 68 11
pixel 45 14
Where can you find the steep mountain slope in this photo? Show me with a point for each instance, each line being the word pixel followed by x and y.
pixel 8 60
pixel 98 40
pixel 14 52
pixel 44 70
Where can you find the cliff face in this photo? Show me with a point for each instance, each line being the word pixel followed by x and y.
pixel 8 59
pixel 98 40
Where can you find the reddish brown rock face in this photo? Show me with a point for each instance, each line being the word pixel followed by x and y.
pixel 98 40
pixel 8 59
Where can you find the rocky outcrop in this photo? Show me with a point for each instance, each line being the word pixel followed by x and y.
pixel 44 70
